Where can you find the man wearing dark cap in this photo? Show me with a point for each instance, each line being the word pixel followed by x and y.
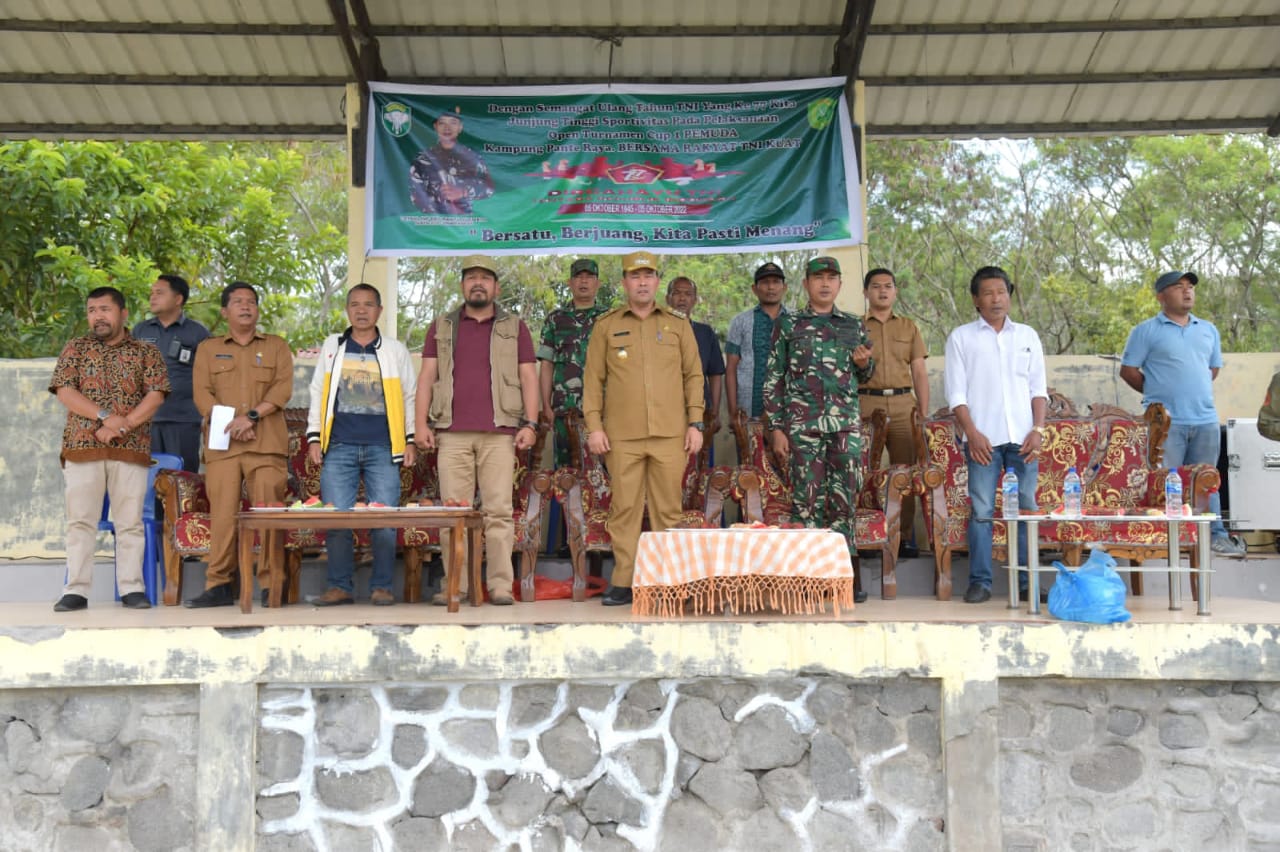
pixel 1173 359
pixel 819 356
pixel 562 355
pixel 448 176
pixel 477 403
pixel 642 402
pixel 747 345
pixel 175 428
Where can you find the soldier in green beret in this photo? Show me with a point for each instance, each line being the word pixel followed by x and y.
pixel 819 356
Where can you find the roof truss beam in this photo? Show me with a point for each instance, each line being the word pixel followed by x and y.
pixel 435 31
pixel 285 81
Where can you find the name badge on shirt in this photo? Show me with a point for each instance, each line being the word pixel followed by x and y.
pixel 185 354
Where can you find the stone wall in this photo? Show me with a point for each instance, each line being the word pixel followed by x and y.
pixel 1125 765
pixel 805 763
pixel 97 769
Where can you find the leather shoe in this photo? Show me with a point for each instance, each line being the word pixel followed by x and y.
pixel 859 596
pixel 217 596
pixel 977 593
pixel 500 598
pixel 135 600
pixel 71 603
pixel 333 597
pixel 382 597
pixel 617 596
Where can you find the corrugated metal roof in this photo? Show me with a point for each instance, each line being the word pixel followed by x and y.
pixel 218 68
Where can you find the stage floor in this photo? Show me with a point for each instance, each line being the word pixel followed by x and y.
pixel 1244 592
pixel 1148 609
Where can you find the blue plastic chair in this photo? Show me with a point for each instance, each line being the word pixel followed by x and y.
pixel 152 577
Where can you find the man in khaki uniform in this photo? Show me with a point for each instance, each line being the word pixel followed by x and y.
pixel 900 369
pixel 643 406
pixel 251 372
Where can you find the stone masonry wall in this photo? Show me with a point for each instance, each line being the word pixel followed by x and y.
pixel 97 769
pixel 1108 765
pixel 809 763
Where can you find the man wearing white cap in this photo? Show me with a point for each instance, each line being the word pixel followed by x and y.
pixel 477 402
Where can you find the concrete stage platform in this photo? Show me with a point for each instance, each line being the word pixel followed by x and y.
pixel 907 724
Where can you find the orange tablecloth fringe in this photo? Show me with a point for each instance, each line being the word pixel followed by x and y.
pixel 747 593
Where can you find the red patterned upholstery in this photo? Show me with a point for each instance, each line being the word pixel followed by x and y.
pixel 762 489
pixel 1117 457
pixel 585 495
pixel 531 487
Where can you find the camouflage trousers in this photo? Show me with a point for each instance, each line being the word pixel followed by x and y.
pixel 560 444
pixel 826 476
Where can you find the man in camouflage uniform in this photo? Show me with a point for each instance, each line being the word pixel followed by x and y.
pixel 819 356
pixel 448 176
pixel 562 354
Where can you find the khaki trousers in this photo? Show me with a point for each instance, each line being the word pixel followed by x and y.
pixel 126 484
pixel 486 459
pixel 267 482
pixel 646 470
pixel 899 444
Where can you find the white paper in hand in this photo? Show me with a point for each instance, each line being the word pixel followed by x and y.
pixel 219 418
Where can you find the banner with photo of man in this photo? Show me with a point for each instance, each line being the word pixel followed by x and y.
pixel 676 169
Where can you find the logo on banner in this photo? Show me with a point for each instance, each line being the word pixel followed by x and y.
pixel 635 173
pixel 397 118
pixel 821 112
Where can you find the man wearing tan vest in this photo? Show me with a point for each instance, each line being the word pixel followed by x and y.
pixel 477 403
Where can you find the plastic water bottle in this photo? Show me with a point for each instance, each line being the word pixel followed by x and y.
pixel 1072 494
pixel 1173 494
pixel 1009 493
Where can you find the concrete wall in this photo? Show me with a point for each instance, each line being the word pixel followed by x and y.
pixel 684 735
pixel 31 509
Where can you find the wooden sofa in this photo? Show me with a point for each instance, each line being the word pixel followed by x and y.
pixel 762 489
pixel 585 495
pixel 1118 457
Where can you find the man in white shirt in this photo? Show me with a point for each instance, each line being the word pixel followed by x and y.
pixel 995 383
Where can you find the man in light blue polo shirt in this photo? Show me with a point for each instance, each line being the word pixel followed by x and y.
pixel 1173 359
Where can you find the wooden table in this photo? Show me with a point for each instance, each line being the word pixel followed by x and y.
pixel 746 570
pixel 466 523
pixel 1174 569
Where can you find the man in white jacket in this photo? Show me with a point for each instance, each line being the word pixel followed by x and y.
pixel 360 425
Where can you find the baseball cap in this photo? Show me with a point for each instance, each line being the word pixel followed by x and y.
pixel 479 261
pixel 770 270
pixel 1171 278
pixel 639 260
pixel 584 264
pixel 822 264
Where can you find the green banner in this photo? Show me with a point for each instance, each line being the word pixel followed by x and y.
pixel 676 169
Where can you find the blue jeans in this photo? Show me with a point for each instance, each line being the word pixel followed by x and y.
pixel 984 480
pixel 339 481
pixel 1196 445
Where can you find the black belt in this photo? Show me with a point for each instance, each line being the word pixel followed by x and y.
pixel 883 391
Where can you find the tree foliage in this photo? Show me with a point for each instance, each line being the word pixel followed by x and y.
pixel 1082 225
pixel 79 215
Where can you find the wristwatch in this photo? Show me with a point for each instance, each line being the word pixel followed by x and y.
pixel 532 424
pixel 699 425
pixel 103 414
pixel 253 415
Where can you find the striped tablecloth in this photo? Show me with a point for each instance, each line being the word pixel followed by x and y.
pixel 794 571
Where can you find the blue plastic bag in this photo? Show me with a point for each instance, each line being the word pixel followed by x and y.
pixel 1094 592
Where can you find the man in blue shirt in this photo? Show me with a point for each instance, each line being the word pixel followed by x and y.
pixel 1173 359
pixel 175 428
